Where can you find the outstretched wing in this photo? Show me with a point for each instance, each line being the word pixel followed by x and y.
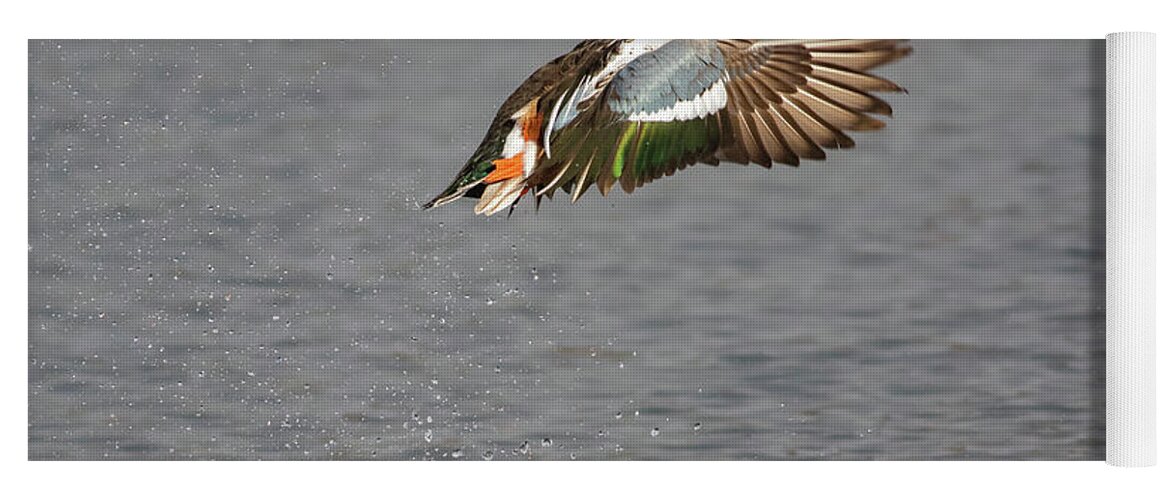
pixel 789 99
pixel 691 101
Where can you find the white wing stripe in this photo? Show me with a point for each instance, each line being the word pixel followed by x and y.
pixel 709 102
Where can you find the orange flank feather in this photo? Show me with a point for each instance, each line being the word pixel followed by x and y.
pixel 506 168
pixel 532 124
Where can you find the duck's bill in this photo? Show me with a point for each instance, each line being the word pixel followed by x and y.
pixel 441 200
pixel 472 190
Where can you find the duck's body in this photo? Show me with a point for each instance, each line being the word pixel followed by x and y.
pixel 630 111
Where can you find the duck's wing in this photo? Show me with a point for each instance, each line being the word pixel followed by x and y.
pixel 789 99
pixel 691 101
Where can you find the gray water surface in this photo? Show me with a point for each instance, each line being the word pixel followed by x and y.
pixel 227 261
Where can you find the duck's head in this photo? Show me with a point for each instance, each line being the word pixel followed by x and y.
pixel 470 180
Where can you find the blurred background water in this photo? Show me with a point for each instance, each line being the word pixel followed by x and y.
pixel 227 261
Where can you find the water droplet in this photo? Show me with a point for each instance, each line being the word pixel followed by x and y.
pixel 655 432
pixel 697 426
pixel 618 416
pixel 458 453
pixel 545 443
pixel 427 435
pixel 487 456
pixel 489 301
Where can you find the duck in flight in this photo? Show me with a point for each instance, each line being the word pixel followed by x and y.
pixel 627 112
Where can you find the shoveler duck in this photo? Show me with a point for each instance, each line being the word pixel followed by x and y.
pixel 630 111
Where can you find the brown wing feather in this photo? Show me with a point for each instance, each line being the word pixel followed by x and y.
pixel 789 99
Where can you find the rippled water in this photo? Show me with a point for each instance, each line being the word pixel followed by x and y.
pixel 227 261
